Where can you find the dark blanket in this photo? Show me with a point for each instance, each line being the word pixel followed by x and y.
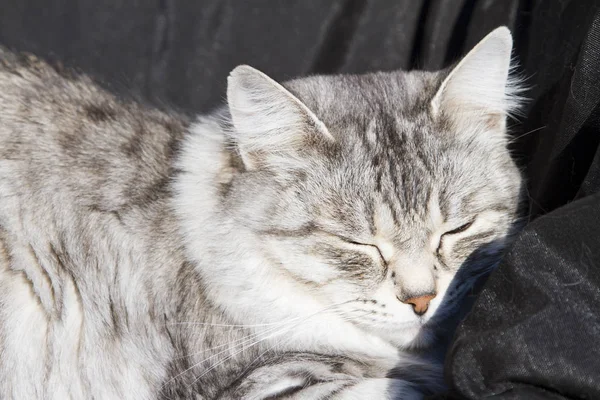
pixel 534 332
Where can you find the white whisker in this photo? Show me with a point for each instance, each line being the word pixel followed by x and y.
pixel 273 327
pixel 281 331
pixel 234 343
pixel 275 334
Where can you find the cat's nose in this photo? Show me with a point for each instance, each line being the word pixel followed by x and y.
pixel 420 304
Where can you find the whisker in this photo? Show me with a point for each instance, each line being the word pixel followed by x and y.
pixel 512 140
pixel 275 334
pixel 259 333
pixel 234 343
pixel 281 331
pixel 249 339
pixel 260 355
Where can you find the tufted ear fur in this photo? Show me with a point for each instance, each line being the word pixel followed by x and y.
pixel 479 93
pixel 271 124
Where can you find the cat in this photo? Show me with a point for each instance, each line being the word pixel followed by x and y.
pixel 307 240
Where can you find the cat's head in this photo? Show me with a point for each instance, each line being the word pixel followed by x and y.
pixel 373 190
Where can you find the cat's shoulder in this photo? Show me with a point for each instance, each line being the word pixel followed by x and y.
pixel 19 67
pixel 80 132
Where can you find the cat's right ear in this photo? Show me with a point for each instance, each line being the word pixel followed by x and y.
pixel 479 92
pixel 271 124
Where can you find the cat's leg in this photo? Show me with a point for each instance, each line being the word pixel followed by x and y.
pixel 303 376
pixel 303 388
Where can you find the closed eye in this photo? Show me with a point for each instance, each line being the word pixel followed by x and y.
pixel 459 229
pixel 365 244
pixel 355 243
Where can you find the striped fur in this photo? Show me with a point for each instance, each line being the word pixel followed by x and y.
pixel 268 250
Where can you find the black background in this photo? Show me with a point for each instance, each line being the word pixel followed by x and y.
pixel 534 332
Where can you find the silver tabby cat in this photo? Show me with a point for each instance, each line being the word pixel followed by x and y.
pixel 294 244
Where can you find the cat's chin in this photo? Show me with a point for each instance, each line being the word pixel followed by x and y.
pixel 408 337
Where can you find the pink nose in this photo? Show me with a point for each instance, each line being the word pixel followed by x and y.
pixel 420 304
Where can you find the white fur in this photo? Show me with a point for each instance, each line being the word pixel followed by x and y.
pixel 481 84
pixel 380 388
pixel 242 279
pixel 266 116
pixel 248 272
pixel 71 357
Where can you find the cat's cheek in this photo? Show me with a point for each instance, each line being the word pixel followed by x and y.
pixel 443 282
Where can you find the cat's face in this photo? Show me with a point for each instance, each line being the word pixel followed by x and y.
pixel 374 191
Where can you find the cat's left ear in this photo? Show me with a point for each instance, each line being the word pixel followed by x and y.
pixel 478 93
pixel 273 127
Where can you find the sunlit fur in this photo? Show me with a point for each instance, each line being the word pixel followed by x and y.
pixel 268 248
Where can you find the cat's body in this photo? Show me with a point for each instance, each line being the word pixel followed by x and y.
pixel 145 255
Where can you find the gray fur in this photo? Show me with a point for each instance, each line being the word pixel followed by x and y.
pixel 145 255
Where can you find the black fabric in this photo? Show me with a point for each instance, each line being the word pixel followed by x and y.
pixel 180 52
pixel 534 332
pixel 535 329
